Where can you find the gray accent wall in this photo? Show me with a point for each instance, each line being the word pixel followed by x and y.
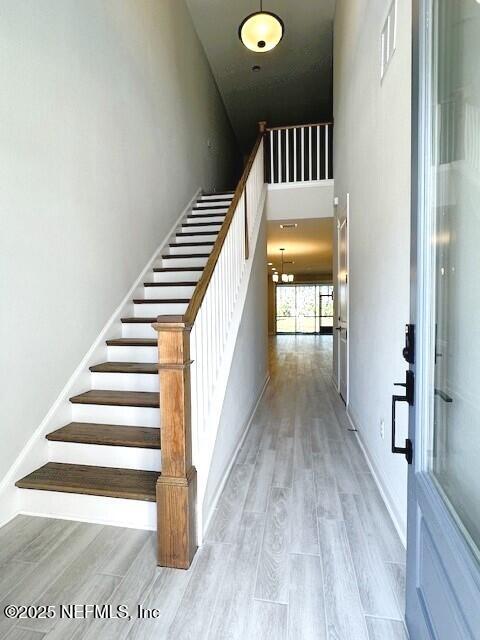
pixel 110 122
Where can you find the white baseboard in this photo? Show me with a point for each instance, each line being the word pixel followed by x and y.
pixel 402 534
pixel 35 453
pixel 230 465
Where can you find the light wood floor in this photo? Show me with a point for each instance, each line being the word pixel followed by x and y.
pixel 300 546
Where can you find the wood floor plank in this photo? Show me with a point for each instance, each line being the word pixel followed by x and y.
pixel 377 521
pixel 40 545
pixel 18 534
pixel 260 484
pixel 229 619
pixel 129 544
pixel 303 521
pixel 195 612
pixel 347 481
pixel 248 454
pixel 379 629
pixel 272 574
pixel 18 633
pixel 11 573
pixel 373 581
pixel 226 519
pixel 396 573
pixel 97 589
pixel 344 613
pixel 306 608
pixel 326 490
pixel 70 543
pixel 166 594
pixel 303 445
pixel 64 588
pixel 267 620
pixel 132 590
pixel 283 472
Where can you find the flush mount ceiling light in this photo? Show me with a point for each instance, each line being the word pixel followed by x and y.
pixel 261 31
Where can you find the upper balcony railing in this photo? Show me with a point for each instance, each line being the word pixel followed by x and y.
pixel 300 153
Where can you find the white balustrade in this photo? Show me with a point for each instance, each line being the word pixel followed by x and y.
pixel 214 331
pixel 300 153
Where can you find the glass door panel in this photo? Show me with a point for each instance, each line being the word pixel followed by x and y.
pixel 455 435
pixel 307 308
pixel 304 308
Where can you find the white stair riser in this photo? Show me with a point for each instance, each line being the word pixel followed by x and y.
pixel 138 330
pixel 152 309
pixel 215 198
pixel 193 238
pixel 136 514
pixel 132 354
pixel 169 292
pixel 213 228
pixel 202 219
pixel 109 414
pixel 125 381
pixel 177 276
pixel 105 456
pixel 211 207
pixel 207 248
pixel 184 262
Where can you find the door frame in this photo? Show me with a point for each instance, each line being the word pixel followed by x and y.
pixel 347 301
pixel 430 522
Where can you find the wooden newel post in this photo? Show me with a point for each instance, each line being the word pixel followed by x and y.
pixel 176 486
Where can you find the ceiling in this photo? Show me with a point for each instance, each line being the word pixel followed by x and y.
pixel 309 245
pixel 294 85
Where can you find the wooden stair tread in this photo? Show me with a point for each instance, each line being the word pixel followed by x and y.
pixel 118 398
pixel 131 484
pixel 184 255
pixel 193 234
pixel 170 284
pixel 113 435
pixel 132 342
pixel 174 269
pixel 216 206
pixel 139 320
pixel 191 244
pixel 161 300
pixel 125 367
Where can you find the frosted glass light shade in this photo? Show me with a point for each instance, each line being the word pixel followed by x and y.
pixel 261 31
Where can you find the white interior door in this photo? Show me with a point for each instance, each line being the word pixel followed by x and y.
pixel 342 305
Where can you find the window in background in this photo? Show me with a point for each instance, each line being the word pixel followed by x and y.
pixel 304 308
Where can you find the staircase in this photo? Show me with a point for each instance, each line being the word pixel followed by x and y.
pixel 138 445
pixel 122 408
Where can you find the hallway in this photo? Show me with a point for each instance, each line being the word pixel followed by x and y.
pixel 300 546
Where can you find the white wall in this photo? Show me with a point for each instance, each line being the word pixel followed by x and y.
pixel 110 121
pixel 372 163
pixel 247 376
pixel 286 202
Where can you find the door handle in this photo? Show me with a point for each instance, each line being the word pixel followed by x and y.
pixel 338 328
pixel 407 450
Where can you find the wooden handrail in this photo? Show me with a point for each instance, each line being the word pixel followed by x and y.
pixel 300 126
pixel 177 485
pixel 202 285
